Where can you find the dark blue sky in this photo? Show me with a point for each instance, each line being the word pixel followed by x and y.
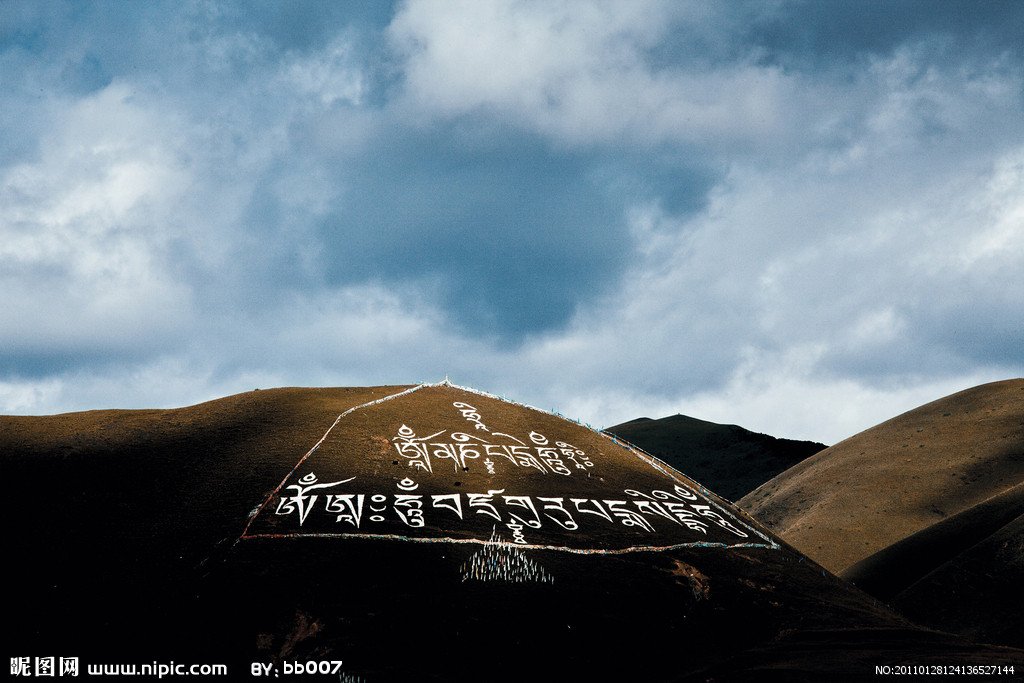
pixel 802 217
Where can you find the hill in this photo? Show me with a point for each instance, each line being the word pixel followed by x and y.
pixel 728 459
pixel 924 510
pixel 413 533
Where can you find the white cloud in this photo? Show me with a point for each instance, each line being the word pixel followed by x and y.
pixel 802 306
pixel 31 397
pixel 580 71
pixel 999 237
pixel 84 227
pixel 330 76
pixel 788 396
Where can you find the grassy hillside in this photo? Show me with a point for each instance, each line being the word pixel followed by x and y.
pixel 924 510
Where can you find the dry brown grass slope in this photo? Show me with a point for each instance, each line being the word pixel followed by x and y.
pixel 924 510
pixel 899 477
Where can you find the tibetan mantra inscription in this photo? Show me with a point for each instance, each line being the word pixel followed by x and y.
pixel 446 464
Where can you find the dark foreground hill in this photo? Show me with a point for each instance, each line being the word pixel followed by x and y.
pixel 412 533
pixel 925 511
pixel 728 459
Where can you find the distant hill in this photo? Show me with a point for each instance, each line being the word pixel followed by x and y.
pixel 925 511
pixel 424 533
pixel 728 459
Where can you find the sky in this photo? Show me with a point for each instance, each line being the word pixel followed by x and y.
pixel 800 217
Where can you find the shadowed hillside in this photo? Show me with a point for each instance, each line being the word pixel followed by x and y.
pixel 924 510
pixel 728 459
pixel 413 533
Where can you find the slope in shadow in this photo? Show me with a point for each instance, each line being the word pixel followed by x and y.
pixel 728 459
pixel 894 568
pixel 974 558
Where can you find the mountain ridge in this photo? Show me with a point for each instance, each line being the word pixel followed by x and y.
pixel 176 534
pixel 728 458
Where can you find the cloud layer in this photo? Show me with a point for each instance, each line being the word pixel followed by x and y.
pixel 799 217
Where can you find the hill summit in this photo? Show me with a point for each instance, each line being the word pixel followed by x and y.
pixel 728 459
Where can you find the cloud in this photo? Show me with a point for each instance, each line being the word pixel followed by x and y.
pixel 82 256
pixel 584 73
pixel 789 216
